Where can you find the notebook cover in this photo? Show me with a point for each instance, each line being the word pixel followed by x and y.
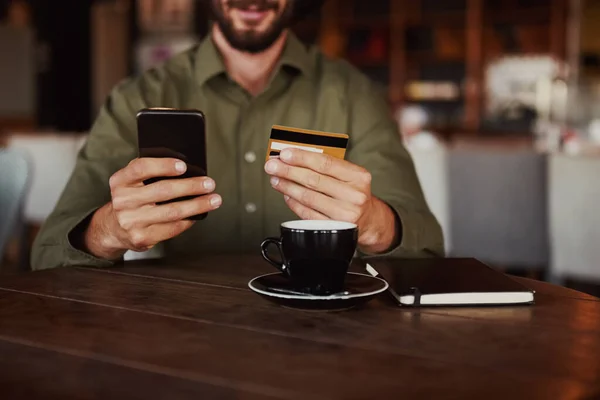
pixel 443 276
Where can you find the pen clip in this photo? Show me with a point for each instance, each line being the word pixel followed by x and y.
pixel 417 296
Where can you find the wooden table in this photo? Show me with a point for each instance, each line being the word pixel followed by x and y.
pixel 193 330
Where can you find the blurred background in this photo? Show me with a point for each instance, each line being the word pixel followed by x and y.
pixel 498 101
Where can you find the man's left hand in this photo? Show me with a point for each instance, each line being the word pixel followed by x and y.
pixel 319 186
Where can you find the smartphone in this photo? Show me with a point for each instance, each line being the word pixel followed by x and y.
pixel 174 133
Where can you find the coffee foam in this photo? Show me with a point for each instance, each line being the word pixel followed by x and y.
pixel 318 225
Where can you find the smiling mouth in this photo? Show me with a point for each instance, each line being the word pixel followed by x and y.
pixel 252 15
pixel 253 6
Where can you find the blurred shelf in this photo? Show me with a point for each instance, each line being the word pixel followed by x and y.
pixel 519 16
pixel 306 26
pixel 443 5
pixel 366 22
pixel 415 100
pixel 368 63
pixel 442 20
pixel 430 57
pixel 310 21
pixel 398 41
pixel 367 9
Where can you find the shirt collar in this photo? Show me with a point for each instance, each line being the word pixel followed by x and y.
pixel 209 62
pixel 297 55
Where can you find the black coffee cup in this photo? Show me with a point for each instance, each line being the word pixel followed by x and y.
pixel 315 254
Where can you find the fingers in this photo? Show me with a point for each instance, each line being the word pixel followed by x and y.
pixel 129 198
pixel 140 222
pixel 324 164
pixel 316 201
pixel 302 211
pixel 141 169
pixel 316 181
pixel 144 239
pixel 149 215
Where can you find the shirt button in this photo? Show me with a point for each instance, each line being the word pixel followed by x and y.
pixel 250 208
pixel 250 157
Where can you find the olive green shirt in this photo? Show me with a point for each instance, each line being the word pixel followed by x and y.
pixel 307 90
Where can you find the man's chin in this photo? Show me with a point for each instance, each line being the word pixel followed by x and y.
pixel 251 34
pixel 252 27
pixel 250 46
pixel 250 41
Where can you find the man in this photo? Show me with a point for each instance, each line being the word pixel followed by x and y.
pixel 247 75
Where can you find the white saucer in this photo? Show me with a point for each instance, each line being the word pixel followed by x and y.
pixel 358 289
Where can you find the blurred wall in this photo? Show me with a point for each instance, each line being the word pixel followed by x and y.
pixel 110 46
pixel 17 72
pixel 590 29
pixel 63 39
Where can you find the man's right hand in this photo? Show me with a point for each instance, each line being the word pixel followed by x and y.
pixel 133 220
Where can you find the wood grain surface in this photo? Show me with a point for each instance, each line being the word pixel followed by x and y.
pixel 193 329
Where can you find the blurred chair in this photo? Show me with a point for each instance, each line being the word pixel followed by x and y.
pixel 498 206
pixel 574 208
pixel 53 157
pixel 432 169
pixel 14 180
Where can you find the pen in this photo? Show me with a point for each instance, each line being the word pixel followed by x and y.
pixel 390 290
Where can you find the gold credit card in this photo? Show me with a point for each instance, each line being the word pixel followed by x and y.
pixel 283 137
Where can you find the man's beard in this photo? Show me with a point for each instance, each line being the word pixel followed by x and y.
pixel 251 41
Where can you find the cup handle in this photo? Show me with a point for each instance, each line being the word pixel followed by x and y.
pixel 264 247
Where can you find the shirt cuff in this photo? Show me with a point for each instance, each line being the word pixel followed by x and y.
pixel 414 242
pixel 73 245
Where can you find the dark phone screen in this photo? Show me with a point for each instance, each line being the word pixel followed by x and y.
pixel 173 133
